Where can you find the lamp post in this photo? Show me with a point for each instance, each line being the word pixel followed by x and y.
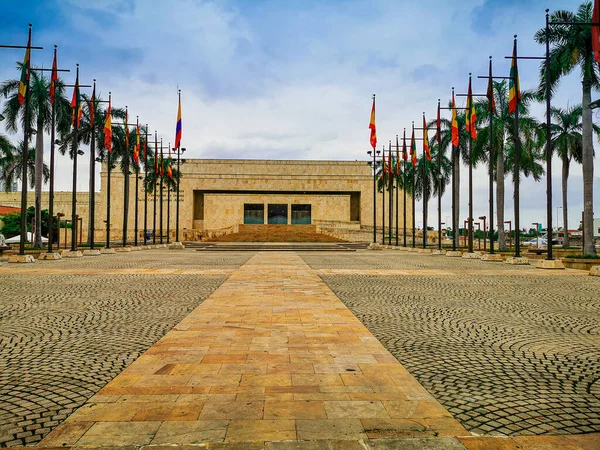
pixel 478 225
pixel 484 218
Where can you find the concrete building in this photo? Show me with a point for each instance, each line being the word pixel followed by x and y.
pixel 216 196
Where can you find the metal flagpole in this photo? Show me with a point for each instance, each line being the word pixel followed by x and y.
pixel 146 185
pixel 137 175
pixel 161 173
pixel 439 175
pixel 75 153
pixel 178 178
pixel 169 200
pixel 154 184
pixel 391 196
pixel 109 163
pixel 383 195
pixel 404 184
pixel 92 200
pixel 126 179
pixel 397 186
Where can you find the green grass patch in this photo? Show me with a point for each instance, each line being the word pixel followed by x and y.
pixel 583 256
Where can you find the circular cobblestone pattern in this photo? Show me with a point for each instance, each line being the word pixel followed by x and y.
pixel 508 355
pixel 63 337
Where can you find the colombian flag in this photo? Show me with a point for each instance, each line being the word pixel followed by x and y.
pixel 514 92
pixel 155 155
pixel 490 92
pixel 76 104
pixel 92 107
pixel 372 126
pixel 53 79
pixel 471 115
pixel 178 128
pixel 426 150
pixel 455 139
pixel 404 153
pixel 413 149
pixel 136 148
pixel 108 128
pixel 24 81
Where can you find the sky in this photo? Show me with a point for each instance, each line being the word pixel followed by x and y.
pixel 293 79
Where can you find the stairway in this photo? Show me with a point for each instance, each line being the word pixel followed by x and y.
pixel 276 233
pixel 277 246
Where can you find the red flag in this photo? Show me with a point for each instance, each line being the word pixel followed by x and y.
pixel 53 79
pixel 108 128
pixel 426 150
pixel 596 31
pixel 372 126
pixel 455 138
pixel 92 106
pixel 24 81
pixel 404 153
pixel 136 148
pixel 471 115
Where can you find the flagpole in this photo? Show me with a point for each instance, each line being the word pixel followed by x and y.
pixel 490 105
pixel 373 144
pixel 439 177
pixel 178 177
pixel 108 189
pixel 137 175
pixel 455 155
pixel 404 184
pixel 51 188
pixel 425 191
pixel 154 185
pixel 383 195
pixel 549 147
pixel 517 169
pixel 160 172
pixel 75 152
pixel 471 125
pixel 26 134
pixel 146 185
pixel 92 202
pixel 391 196
pixel 126 179
pixel 397 186
pixel 414 244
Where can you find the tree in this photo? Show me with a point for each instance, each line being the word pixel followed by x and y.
pixel 11 166
pixel 571 49
pixel 40 120
pixel 84 137
pixel 567 142
pixel 503 141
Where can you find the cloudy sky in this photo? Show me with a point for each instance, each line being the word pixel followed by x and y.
pixel 292 79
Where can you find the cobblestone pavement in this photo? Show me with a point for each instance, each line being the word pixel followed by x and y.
pixel 64 336
pixel 513 354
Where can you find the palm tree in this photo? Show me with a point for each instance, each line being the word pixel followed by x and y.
pixel 84 137
pixel 40 120
pixel 503 142
pixel 567 141
pixel 572 48
pixel 11 165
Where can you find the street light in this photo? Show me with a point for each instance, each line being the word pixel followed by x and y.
pixel 484 218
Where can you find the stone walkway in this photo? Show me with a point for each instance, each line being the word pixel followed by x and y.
pixel 274 355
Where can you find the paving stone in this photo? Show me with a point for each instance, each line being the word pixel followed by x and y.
pixel 479 337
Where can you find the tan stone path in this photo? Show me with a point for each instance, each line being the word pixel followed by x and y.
pixel 271 355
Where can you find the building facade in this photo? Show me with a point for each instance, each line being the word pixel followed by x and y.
pixel 221 194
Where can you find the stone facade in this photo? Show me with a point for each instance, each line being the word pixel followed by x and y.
pixel 213 194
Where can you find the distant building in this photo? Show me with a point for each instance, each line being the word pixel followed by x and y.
pixel 597 227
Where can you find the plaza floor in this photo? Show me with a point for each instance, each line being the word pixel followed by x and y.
pixel 298 350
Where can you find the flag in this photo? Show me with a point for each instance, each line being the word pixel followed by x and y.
pixel 108 128
pixel 404 153
pixel 24 81
pixel 76 105
pixel 169 168
pixel 426 150
pixel 178 128
pixel 372 127
pixel 596 31
pixel 438 124
pixel 126 132
pixel 155 155
pixel 471 115
pixel 92 107
pixel 136 148
pixel 391 161
pixel 162 163
pixel 490 92
pixel 53 79
pixel 413 149
pixel 146 144
pixel 384 169
pixel 397 156
pixel 514 86
pixel 455 139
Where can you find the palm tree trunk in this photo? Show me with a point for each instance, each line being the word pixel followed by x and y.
pixel 565 177
pixel 456 163
pixel 588 169
pixel 39 165
pixel 500 199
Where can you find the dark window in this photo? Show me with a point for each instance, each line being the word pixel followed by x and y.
pixel 278 214
pixel 254 213
pixel 301 214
